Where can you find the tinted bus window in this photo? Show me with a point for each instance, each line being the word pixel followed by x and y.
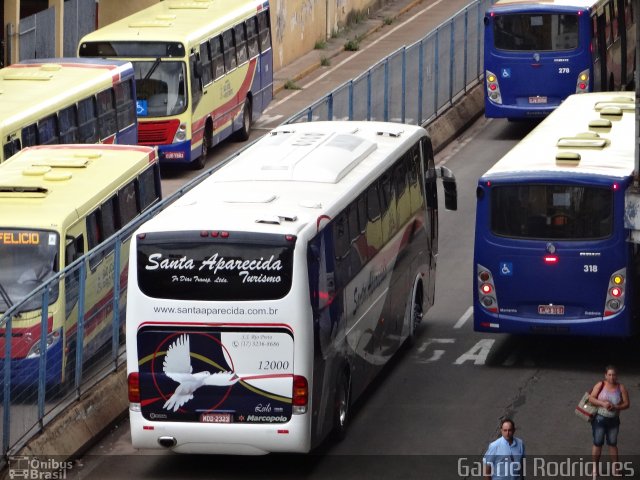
pixel 106 114
pixel 68 122
pixel 551 212
pixel 125 104
pixel 87 121
pixel 48 131
pixel 535 31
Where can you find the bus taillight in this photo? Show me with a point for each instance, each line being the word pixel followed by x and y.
pixel 615 293
pixel 133 381
pixel 486 289
pixel 550 259
pixel 582 84
pixel 493 88
pixel 300 394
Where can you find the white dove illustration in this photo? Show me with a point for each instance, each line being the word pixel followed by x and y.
pixel 177 366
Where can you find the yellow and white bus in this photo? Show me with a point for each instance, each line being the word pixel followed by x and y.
pixel 263 302
pixel 204 71
pixel 66 100
pixel 56 204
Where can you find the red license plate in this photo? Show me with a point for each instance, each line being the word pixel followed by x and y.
pixel 550 309
pixel 537 99
pixel 215 418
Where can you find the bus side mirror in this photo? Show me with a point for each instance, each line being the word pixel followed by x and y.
pixel 450 188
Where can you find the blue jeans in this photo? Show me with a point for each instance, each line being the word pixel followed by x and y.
pixel 605 427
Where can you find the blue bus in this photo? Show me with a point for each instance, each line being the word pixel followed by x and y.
pixel 536 53
pixel 551 252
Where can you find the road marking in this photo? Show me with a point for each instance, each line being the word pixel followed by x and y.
pixel 355 54
pixel 478 353
pixel 437 354
pixel 463 319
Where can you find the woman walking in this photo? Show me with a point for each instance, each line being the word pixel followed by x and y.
pixel 611 397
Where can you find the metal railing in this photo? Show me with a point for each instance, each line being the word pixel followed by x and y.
pixel 412 85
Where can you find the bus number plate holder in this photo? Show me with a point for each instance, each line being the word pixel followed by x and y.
pixel 215 418
pixel 537 99
pixel 550 309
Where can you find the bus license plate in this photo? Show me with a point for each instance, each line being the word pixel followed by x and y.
pixel 537 99
pixel 550 309
pixel 215 418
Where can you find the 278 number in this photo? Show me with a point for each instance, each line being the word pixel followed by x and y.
pixel 563 70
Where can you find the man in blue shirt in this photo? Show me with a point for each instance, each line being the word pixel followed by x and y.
pixel 504 459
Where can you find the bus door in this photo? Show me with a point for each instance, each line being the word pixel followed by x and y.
pixel 538 57
pixel 265 58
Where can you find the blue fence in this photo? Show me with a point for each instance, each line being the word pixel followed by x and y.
pixel 413 85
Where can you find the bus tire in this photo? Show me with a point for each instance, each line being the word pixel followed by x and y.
pixel 199 163
pixel 341 414
pixel 242 135
pixel 416 316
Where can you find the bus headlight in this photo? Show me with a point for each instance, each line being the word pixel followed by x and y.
pixel 181 133
pixel 52 339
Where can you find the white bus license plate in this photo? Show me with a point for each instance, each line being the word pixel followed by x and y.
pixel 550 309
pixel 537 99
pixel 215 418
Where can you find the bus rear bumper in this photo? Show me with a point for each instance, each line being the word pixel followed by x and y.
pixel 614 326
pixel 522 112
pixel 224 439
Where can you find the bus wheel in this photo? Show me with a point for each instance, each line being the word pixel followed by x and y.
pixel 243 134
pixel 341 408
pixel 416 319
pixel 198 163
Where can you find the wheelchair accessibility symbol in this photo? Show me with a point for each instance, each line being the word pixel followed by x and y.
pixel 506 268
pixel 505 72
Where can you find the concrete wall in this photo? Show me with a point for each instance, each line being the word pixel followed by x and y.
pixel 297 24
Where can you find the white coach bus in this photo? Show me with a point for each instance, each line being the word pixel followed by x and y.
pixel 263 302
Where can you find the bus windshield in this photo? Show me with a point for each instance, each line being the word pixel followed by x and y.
pixel 536 32
pixel 27 259
pixel 160 87
pixel 209 270
pixel 552 212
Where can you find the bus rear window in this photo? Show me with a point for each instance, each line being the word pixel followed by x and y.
pixel 551 212
pixel 188 266
pixel 535 32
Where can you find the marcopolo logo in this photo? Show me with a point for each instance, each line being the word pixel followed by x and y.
pixel 38 468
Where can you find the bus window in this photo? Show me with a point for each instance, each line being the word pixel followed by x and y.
pixel 68 121
pixel 149 188
pixel 29 135
pixel 48 131
pixel 106 114
pixel 87 121
pixel 205 62
pixel 241 43
pixel 128 203
pixel 252 37
pixel 229 49
pixel 264 34
pixel 216 56
pixel 11 148
pixel 125 104
pixel 110 224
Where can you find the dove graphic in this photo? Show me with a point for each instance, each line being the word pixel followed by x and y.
pixel 177 366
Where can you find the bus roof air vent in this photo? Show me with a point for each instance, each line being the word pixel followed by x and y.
pixel 277 219
pixel 600 123
pixel 35 76
pixel 58 176
pixel 390 131
pixel 62 163
pixel 16 191
pixel 192 5
pixel 36 170
pixel 584 140
pixel 626 104
pixel 250 197
pixel 50 67
pixel 612 111
pixel 568 158
pixel 150 24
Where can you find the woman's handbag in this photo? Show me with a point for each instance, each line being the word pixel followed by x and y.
pixel 585 409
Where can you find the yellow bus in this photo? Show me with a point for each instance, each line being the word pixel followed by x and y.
pixel 66 100
pixel 204 71
pixel 57 203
